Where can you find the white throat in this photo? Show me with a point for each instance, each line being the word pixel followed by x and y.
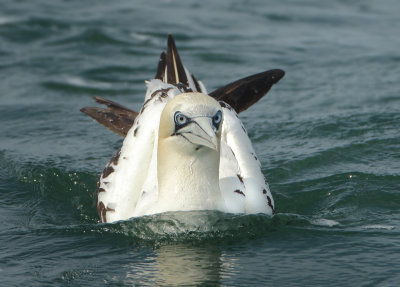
pixel 188 179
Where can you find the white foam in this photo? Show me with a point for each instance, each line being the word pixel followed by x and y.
pixel 83 83
pixel 140 37
pixel 378 226
pixel 7 20
pixel 325 222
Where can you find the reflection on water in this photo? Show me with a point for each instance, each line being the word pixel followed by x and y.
pixel 179 264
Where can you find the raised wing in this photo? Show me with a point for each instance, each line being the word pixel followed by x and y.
pixel 243 93
pixel 115 117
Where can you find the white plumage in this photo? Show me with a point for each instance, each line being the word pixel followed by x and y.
pixel 186 163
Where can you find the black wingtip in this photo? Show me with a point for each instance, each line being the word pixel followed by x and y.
pixel 175 70
pixel 277 75
pixel 161 67
pixel 245 92
pixel 171 41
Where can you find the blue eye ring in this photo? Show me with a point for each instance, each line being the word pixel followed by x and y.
pixel 217 119
pixel 180 119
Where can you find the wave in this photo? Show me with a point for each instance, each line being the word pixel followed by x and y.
pixel 60 201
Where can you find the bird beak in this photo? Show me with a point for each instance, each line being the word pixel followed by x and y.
pixel 201 132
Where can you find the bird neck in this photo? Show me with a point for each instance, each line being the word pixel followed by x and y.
pixel 188 179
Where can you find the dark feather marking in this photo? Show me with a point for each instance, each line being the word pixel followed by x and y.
pixel 101 210
pixel 115 117
pixel 110 209
pixel 225 105
pixel 102 190
pixel 240 192
pixel 233 153
pixel 115 158
pixel 175 71
pixel 255 157
pixel 243 93
pixel 183 88
pixel 148 100
pixel 163 91
pixel 270 204
pixel 107 171
pixel 240 178
pixel 161 67
pixel 135 131
pixel 264 191
pixel 196 84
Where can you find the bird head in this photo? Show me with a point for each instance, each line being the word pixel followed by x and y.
pixel 192 121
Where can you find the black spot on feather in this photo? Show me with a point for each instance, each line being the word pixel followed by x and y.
pixel 225 105
pixel 270 204
pixel 255 157
pixel 101 210
pixel 240 178
pixel 107 171
pixel 115 158
pixel 240 192
pixel 162 91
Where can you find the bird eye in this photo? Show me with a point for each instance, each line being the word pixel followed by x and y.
pixel 217 119
pixel 180 119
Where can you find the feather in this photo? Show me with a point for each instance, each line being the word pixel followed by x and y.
pixel 161 67
pixel 115 117
pixel 129 184
pixel 243 93
pixel 175 70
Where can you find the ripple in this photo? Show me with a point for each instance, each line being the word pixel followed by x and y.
pixel 93 37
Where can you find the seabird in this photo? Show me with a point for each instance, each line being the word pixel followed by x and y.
pixel 186 149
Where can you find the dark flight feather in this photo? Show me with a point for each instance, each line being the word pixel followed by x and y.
pixel 161 68
pixel 243 93
pixel 175 70
pixel 240 95
pixel 115 117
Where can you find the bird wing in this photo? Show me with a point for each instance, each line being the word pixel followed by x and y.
pixel 243 93
pixel 115 117
pixel 240 94
pixel 131 176
pixel 242 183
pixel 128 183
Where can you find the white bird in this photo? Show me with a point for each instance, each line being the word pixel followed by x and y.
pixel 186 149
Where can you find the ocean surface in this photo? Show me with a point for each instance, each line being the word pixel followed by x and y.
pixel 327 135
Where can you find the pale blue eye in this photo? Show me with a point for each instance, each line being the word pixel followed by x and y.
pixel 180 119
pixel 217 119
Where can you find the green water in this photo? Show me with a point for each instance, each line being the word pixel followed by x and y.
pixel 327 136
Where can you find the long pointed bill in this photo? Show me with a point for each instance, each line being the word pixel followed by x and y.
pixel 200 132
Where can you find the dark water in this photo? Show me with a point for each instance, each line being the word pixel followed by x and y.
pixel 327 136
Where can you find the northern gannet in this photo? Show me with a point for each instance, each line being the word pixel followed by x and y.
pixel 186 149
